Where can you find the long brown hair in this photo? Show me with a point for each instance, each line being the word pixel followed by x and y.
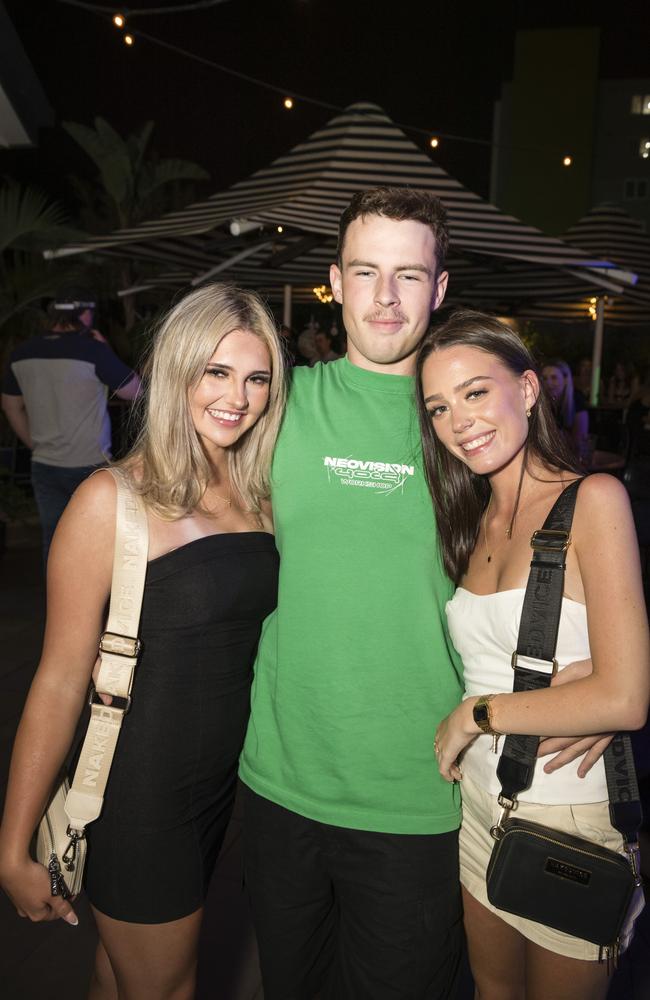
pixel 460 495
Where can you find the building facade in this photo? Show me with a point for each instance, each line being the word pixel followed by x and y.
pixel 555 107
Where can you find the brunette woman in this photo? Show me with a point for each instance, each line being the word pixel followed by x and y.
pixel 496 464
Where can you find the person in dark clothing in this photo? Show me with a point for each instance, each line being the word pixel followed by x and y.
pixel 54 397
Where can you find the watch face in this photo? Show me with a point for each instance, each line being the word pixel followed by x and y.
pixel 481 714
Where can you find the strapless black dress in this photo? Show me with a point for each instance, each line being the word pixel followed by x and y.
pixel 172 784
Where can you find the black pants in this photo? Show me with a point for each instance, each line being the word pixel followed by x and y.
pixel 351 914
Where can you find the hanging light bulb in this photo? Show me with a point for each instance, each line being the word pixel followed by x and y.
pixel 288 103
pixel 323 293
pixel 280 229
pixel 567 161
pixel 434 143
pixel 129 39
pixel 119 20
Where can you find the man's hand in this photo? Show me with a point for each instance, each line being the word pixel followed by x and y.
pixel 16 413
pixel 569 748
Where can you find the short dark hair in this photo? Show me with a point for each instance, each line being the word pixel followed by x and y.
pixel 400 204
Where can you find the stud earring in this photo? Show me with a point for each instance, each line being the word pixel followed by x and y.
pixel 528 413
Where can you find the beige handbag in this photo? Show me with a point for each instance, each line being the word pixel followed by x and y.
pixel 60 837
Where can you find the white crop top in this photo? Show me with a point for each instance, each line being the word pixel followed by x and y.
pixel 484 630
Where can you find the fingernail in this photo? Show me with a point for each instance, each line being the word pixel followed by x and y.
pixel 71 919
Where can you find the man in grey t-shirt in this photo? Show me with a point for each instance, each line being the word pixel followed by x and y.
pixel 54 397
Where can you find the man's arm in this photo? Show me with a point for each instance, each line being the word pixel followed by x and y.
pixel 130 389
pixel 16 413
pixel 566 749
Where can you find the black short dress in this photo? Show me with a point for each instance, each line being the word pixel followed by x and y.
pixel 171 788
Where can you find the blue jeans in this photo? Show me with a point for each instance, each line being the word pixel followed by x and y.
pixel 53 486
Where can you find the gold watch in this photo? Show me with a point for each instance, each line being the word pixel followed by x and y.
pixel 483 715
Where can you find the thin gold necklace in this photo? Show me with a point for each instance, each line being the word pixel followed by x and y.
pixel 226 500
pixel 515 511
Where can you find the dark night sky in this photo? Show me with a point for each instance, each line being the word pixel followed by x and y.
pixel 437 66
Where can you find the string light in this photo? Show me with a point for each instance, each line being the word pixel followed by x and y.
pixel 280 229
pixel 119 20
pixel 265 84
pixel 323 293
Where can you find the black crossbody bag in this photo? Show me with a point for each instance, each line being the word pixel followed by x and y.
pixel 536 872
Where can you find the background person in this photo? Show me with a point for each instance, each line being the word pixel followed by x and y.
pixel 623 385
pixel 213 406
pixel 325 347
pixel 54 397
pixel 569 406
pixel 496 464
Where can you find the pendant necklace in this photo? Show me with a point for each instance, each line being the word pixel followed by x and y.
pixel 515 509
pixel 226 500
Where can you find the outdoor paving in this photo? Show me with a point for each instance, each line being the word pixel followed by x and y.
pixel 53 961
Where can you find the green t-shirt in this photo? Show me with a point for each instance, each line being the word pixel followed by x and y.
pixel 354 668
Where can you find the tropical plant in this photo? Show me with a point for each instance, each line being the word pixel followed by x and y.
pixel 134 183
pixel 29 222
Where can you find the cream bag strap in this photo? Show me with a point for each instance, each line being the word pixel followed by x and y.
pixel 119 647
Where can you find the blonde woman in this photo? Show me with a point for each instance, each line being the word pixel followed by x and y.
pixel 213 405
pixel 569 406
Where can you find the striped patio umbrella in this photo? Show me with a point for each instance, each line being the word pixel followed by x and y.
pixel 304 193
pixel 606 231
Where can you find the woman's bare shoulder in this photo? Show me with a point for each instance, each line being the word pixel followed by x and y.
pixel 601 488
pixel 97 492
pixel 602 503
pixel 93 502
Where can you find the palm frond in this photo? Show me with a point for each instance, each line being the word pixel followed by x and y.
pixel 26 214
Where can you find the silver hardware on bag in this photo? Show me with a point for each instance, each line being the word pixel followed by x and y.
pixel 119 645
pixel 57 881
pixel 533 663
pixel 118 703
pixel 507 806
pixel 70 854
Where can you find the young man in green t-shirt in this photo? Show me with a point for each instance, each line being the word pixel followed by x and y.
pixel 351 834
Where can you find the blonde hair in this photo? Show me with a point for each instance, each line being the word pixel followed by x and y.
pixel 167 465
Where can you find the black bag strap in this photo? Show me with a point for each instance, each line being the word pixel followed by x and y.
pixel 534 665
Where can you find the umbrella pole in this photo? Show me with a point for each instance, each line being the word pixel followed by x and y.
pixel 597 356
pixel 286 313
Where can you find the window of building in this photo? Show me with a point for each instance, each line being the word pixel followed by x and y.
pixel 635 188
pixel 640 104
